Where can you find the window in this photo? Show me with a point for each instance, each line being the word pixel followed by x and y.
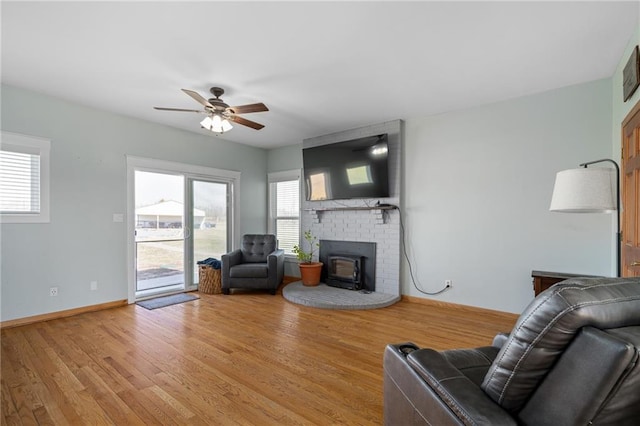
pixel 24 179
pixel 284 208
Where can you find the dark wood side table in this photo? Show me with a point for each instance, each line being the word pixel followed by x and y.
pixel 542 280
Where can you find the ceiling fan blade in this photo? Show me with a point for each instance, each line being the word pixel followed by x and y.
pixel 197 97
pixel 178 109
pixel 246 122
pixel 244 109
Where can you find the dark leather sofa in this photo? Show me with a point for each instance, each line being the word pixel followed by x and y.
pixel 257 264
pixel 571 359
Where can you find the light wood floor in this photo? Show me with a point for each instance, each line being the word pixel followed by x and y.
pixel 250 358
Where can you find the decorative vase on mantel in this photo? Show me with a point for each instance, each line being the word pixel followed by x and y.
pixel 310 271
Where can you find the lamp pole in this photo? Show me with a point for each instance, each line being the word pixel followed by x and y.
pixel 618 233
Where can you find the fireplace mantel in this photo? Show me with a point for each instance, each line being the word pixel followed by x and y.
pixel 380 211
pixel 332 209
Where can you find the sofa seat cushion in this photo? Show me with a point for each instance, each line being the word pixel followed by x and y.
pixel 249 270
pixel 473 363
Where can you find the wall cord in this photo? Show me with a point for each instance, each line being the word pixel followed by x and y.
pixel 406 256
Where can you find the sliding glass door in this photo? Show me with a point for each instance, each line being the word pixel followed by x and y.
pixel 210 237
pixel 179 216
pixel 160 231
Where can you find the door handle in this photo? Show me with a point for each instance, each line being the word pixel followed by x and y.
pixel 636 263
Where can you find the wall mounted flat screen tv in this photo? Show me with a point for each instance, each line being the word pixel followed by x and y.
pixel 356 168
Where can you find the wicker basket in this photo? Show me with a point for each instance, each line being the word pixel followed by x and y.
pixel 210 280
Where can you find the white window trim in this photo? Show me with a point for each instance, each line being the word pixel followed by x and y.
pixel 280 177
pixel 31 144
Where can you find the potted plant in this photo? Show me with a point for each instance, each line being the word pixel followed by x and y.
pixel 310 271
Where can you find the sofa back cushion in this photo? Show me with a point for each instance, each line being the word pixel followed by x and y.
pixel 548 325
pixel 257 247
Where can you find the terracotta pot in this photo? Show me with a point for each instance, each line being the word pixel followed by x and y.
pixel 310 273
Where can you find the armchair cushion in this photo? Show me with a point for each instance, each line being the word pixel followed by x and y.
pixel 256 247
pixel 249 270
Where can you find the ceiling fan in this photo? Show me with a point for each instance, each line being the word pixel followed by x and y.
pixel 219 114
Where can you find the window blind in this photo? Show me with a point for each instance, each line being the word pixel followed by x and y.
pixel 287 214
pixel 19 182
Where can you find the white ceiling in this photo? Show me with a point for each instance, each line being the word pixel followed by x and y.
pixel 320 67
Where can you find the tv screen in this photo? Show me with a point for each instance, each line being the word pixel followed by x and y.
pixel 356 168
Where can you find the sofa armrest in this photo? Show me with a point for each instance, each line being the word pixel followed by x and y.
pixel 437 391
pixel 457 391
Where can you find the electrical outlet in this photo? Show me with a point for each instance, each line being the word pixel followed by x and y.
pixel 53 291
pixel 448 283
pixel 93 285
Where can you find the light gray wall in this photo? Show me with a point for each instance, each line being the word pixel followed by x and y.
pixel 284 158
pixel 88 185
pixel 477 189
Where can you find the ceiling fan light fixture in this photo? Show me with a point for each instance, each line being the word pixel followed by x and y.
pixel 219 115
pixel 216 124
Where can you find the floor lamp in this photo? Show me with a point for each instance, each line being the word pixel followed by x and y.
pixel 589 191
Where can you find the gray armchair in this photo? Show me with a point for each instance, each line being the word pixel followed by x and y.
pixel 571 359
pixel 258 264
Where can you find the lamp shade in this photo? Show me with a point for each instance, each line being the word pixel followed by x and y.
pixel 586 190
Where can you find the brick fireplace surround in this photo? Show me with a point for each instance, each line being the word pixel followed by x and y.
pixel 346 220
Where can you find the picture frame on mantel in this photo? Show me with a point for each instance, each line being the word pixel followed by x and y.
pixel 630 78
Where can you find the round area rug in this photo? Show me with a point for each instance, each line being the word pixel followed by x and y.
pixel 326 297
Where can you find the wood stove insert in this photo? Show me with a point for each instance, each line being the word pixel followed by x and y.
pixel 348 264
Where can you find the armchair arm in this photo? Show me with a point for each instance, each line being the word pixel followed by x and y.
pixel 275 261
pixel 228 260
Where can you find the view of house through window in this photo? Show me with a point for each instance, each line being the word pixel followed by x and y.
pixel 284 208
